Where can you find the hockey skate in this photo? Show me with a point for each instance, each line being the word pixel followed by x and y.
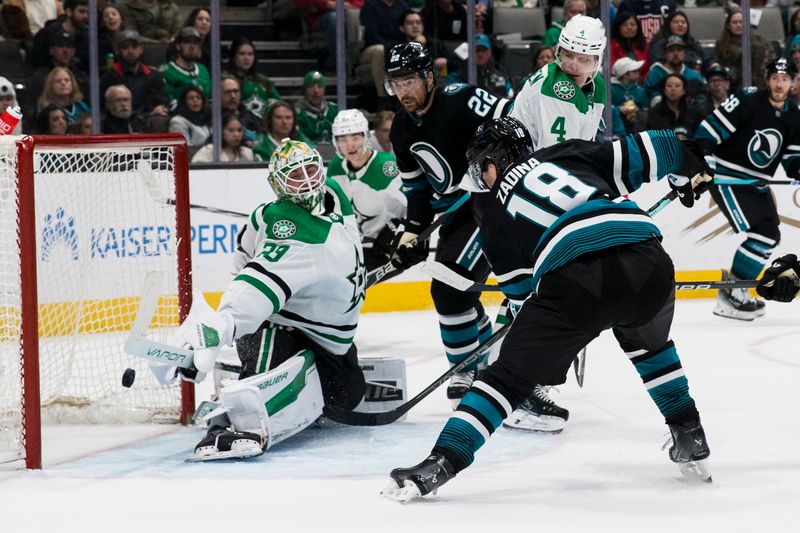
pixel 222 443
pixel 736 303
pixel 690 450
pixel 538 413
pixel 411 483
pixel 459 385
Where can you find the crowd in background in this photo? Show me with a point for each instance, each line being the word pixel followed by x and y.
pixel 662 77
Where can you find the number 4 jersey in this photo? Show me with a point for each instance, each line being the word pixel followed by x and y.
pixel 554 109
pixel 431 148
pixel 566 201
pixel 299 269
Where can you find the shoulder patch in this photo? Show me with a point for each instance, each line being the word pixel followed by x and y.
pixel 283 229
pixel 455 88
pixel 565 90
pixel 390 169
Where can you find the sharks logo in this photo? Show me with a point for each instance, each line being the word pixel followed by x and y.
pixel 764 146
pixel 58 231
pixel 435 166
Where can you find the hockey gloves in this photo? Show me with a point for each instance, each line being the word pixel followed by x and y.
pixel 690 190
pixel 387 239
pixel 409 252
pixel 205 331
pixel 781 281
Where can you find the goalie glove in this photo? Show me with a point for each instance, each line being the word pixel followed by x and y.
pixel 409 252
pixel 205 331
pixel 781 281
pixel 690 190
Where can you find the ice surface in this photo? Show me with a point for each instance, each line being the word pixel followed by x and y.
pixel 606 472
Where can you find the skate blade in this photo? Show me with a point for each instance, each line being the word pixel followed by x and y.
pixel 696 470
pixel 409 491
pixel 726 312
pixel 536 424
pixel 242 453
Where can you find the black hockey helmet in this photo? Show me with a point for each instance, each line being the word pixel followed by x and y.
pixel 781 66
pixel 404 59
pixel 500 141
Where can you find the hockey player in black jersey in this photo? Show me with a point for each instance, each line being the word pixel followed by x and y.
pixel 748 136
pixel 580 259
pixel 430 137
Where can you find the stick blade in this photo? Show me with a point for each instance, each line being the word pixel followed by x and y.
pixel 440 272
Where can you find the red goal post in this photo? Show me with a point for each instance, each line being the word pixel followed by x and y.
pixel 82 220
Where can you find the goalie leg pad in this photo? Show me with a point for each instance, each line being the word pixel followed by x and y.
pixel 276 404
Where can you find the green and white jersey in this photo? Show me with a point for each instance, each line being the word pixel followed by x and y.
pixel 555 109
pixel 299 269
pixel 177 79
pixel 374 190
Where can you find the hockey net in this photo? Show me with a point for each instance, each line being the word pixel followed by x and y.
pixel 83 220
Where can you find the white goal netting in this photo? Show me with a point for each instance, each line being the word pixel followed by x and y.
pixel 100 228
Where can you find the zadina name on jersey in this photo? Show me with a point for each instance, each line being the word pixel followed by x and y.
pixel 302 270
pixel 555 109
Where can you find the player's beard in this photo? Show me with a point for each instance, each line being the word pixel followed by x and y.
pixel 411 104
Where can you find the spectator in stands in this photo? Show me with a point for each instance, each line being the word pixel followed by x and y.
pixel 446 19
pixel 543 55
pixel 191 119
pixel 381 20
pixel 280 122
pixel 200 19
pixel 718 88
pixel 8 97
pixel 73 21
pixel 649 15
pixel 119 116
pixel 61 89
pixel 111 24
pixel 674 111
pixel 413 29
pixel 156 20
pixel 675 53
pixel 627 41
pixel 50 120
pixel 794 56
pixel 145 84
pixel 571 8
pixel 627 93
pixel 81 126
pixel 678 24
pixel 184 70
pixel 232 148
pixel 794 31
pixel 315 113
pixel 231 103
pixel 490 76
pixel 379 137
pixel 729 50
pixel 320 15
pixel 258 91
pixel 25 18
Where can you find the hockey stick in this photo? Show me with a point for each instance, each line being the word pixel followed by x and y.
pixel 381 272
pixel 153 188
pixel 353 418
pixel 737 181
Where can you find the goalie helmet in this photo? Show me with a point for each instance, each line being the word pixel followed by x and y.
pixel 296 173
pixel 583 35
pixel 350 121
pixel 404 59
pixel 500 141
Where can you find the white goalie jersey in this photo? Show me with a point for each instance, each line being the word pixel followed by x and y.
pixel 301 270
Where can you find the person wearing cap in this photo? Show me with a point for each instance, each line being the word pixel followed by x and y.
pixel 156 20
pixel 627 93
pixel 145 84
pixel 718 88
pixel 8 98
pixel 678 24
pixel 185 70
pixel 674 55
pixel 491 77
pixel 314 113
pixel 73 21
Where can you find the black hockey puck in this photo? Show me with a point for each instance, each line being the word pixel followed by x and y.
pixel 127 377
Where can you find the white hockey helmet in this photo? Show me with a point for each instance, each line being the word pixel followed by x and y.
pixel 296 173
pixel 583 35
pixel 349 121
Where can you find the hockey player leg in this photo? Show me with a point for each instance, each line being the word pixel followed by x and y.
pixel 264 409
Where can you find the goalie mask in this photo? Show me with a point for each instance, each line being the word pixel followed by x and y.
pixel 502 142
pixel 296 174
pixel 582 35
pixel 348 122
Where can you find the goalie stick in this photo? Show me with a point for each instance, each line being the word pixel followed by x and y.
pixel 353 418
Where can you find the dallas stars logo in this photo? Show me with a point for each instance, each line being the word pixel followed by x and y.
pixel 283 229
pixel 390 169
pixel 564 90
pixel 359 280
